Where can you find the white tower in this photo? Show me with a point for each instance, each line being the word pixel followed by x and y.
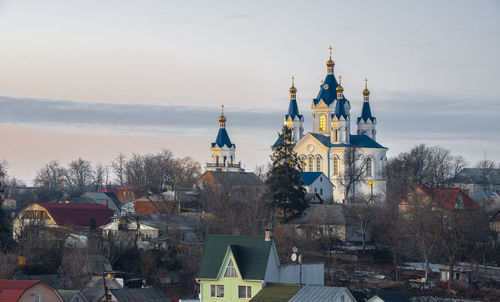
pixel 223 151
pixel 366 122
pixel 293 119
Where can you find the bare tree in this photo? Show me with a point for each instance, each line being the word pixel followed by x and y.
pixel 487 173
pixel 79 176
pixel 364 212
pixel 49 181
pixel 3 168
pixel 99 175
pixel 354 172
pixel 118 166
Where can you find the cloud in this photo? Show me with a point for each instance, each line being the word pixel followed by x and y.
pixel 237 17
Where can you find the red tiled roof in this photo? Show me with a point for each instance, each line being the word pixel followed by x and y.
pixel 78 214
pixel 12 290
pixel 447 197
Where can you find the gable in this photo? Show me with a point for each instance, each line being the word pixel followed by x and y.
pixel 251 254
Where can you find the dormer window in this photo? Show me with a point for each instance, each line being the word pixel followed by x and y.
pixel 230 270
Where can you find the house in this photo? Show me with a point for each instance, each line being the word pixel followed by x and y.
pixel 61 215
pixel 105 198
pixel 296 293
pixel 138 294
pixel 331 220
pixel 389 297
pixel 127 226
pixel 70 295
pixel 441 198
pixel 94 289
pixel 28 290
pixel 131 192
pixel 461 275
pixel 317 182
pixel 474 180
pixel 238 267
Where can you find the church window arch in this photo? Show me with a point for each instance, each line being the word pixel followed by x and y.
pixel 311 164
pixel 217 160
pixel 336 163
pixel 231 159
pixel 318 164
pixel 336 135
pixel 225 160
pixel 369 167
pixel 303 160
pixel 322 122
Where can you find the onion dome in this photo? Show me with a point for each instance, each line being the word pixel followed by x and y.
pixel 340 89
pixel 293 90
pixel 366 92
pixel 330 62
pixel 222 118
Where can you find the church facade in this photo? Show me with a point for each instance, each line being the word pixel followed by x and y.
pixel 354 163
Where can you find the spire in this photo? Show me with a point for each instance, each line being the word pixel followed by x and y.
pixel 330 63
pixel 366 92
pixel 340 89
pixel 222 118
pixel 293 90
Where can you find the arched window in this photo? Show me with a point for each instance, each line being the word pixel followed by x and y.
pixel 225 160
pixel 231 159
pixel 303 164
pixel 322 123
pixel 318 164
pixel 336 135
pixel 369 166
pixel 335 166
pixel 311 164
pixel 217 160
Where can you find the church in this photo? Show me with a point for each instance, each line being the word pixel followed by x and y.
pixel 354 163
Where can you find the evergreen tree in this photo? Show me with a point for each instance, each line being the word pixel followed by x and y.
pixel 284 188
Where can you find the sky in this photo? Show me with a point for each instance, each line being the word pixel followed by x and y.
pixel 92 78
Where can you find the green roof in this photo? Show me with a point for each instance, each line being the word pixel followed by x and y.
pixel 276 293
pixel 250 252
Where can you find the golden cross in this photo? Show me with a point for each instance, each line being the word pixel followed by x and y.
pixel 330 51
pixel 293 79
pixel 366 83
pixel 340 79
pixel 222 109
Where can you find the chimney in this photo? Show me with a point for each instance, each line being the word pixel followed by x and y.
pixel 106 202
pixel 269 234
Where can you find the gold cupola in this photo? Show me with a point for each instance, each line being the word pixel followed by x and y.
pixel 330 63
pixel 340 89
pixel 222 118
pixel 366 92
pixel 293 90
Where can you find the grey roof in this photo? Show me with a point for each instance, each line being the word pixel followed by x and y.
pixel 139 294
pixel 476 176
pixel 236 178
pixel 360 141
pixel 333 214
pixel 318 293
pixel 51 279
pixel 393 297
pixel 100 264
pixel 68 294
pixel 100 198
pixel 94 289
pixel 482 196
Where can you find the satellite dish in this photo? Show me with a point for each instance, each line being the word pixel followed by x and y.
pixel 295 249
pixel 294 257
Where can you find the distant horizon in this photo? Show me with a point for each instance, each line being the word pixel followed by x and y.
pixel 94 79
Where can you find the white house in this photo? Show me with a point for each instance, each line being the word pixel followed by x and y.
pixel 317 182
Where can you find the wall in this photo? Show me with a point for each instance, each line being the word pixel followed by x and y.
pixel 47 294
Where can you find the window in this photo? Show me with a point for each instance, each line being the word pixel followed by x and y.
pixel 369 167
pixel 318 164
pixel 244 292
pixel 336 135
pixel 77 299
pixel 311 164
pixel 342 299
pixel 303 164
pixel 38 298
pixel 230 270
pixel 322 123
pixel 315 190
pixel 321 191
pixel 216 291
pixel 335 166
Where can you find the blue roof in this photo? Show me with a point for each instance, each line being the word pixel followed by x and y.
pixel 293 110
pixel 340 108
pixel 330 94
pixel 366 113
pixel 309 177
pixel 361 141
pixel 222 139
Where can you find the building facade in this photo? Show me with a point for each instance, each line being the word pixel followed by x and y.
pixel 330 147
